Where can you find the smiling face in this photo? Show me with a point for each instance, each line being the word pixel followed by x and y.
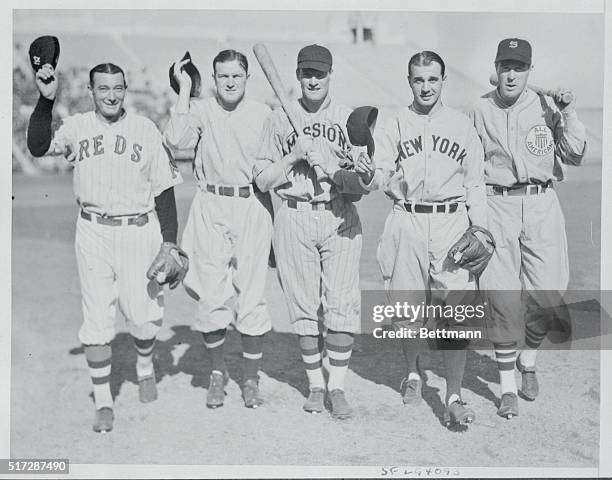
pixel 512 79
pixel 230 81
pixel 426 82
pixel 314 84
pixel 108 92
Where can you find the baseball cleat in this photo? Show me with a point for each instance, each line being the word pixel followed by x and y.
pixel 216 389
pixel 340 409
pixel 508 406
pixel 458 413
pixel 316 400
pixel 250 393
pixel 529 382
pixel 147 389
pixel 411 391
pixel 104 420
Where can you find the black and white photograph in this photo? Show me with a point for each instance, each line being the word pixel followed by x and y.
pixel 308 241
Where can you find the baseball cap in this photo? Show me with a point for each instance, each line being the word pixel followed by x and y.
pixel 315 57
pixel 514 49
pixel 359 126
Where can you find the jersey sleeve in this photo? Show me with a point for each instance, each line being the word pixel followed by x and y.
pixel 184 129
pixel 473 180
pixel 39 127
pixel 42 141
pixel 65 139
pixel 570 138
pixel 271 166
pixel 164 171
pixel 386 138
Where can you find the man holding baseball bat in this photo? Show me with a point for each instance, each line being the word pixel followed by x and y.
pixel 229 228
pixel 317 231
pixel 124 184
pixel 528 137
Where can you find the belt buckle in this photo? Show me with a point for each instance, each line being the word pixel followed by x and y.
pixel 140 220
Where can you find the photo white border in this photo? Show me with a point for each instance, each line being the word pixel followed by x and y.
pixel 154 471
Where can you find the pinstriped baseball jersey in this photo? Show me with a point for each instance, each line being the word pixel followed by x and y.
pixel 431 158
pixel 317 251
pixel 328 129
pixel 523 143
pixel 226 142
pixel 119 168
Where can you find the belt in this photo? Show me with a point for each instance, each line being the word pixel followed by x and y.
pixel 529 189
pixel 117 221
pixel 436 208
pixel 304 205
pixel 244 192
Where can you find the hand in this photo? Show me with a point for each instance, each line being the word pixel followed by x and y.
pixel 564 99
pixel 61 148
pixel 182 77
pixel 365 167
pixel 316 159
pixel 46 81
pixel 303 145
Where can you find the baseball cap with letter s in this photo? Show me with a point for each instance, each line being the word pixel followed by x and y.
pixel 514 49
pixel 315 57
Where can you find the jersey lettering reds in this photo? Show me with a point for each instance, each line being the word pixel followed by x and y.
pixel 529 142
pixel 225 142
pixel 328 129
pixel 430 158
pixel 120 167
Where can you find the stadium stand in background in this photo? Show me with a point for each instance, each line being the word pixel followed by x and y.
pixel 370 56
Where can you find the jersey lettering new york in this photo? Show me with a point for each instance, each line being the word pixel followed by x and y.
pixel 443 145
pixel 430 158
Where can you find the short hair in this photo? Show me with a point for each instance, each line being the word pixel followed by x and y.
pixel 230 55
pixel 106 68
pixel 426 57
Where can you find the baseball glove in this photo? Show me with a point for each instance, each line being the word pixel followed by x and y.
pixel 473 250
pixel 169 266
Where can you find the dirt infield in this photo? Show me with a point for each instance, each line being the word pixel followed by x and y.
pixel 51 408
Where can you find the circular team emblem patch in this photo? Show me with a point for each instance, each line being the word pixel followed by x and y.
pixel 539 140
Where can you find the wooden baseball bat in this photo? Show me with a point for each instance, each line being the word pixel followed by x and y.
pixel 567 97
pixel 267 65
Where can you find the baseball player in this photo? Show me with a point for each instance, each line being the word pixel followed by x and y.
pixel 123 182
pixel 429 162
pixel 317 231
pixel 229 230
pixel 527 139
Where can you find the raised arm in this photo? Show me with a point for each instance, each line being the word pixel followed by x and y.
pixel 181 131
pixel 570 133
pixel 39 126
